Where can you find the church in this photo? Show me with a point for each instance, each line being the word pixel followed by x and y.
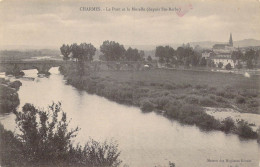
pixel 221 53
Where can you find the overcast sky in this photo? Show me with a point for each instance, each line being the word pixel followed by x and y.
pixel 54 22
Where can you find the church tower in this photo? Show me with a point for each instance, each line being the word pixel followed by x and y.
pixel 230 40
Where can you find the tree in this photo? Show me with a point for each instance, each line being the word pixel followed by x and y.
pixel 166 54
pixel 228 66
pixel 142 55
pixel 65 51
pixel 132 55
pixel 112 51
pixel 160 52
pixel 220 65
pixel 75 50
pixel 251 58
pixel 237 56
pixel 249 64
pixel 88 51
pixel 239 65
pixel 149 58
pixel 203 61
pixel 187 56
pixel 82 53
pixel 44 140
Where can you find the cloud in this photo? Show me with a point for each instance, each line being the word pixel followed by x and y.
pixel 48 22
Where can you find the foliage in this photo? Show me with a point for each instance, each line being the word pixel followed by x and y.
pixel 166 54
pixel 149 58
pixel 132 55
pixel 240 100
pixel 239 65
pixel 244 130
pixel 237 55
pixel 9 99
pixel 220 65
pixel 227 124
pixel 203 61
pixel 65 51
pixel 83 52
pixel 147 105
pixel 112 51
pixel 44 140
pixel 228 66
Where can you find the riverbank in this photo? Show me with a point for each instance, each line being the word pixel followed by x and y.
pixel 176 98
pixel 9 99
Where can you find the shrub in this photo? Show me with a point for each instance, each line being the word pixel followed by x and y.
pixel 45 140
pixel 207 102
pixel 16 85
pixel 172 109
pixel 227 124
pixel 220 65
pixel 194 115
pixel 228 66
pixel 192 99
pixel 240 100
pixel 244 130
pixel 147 105
pixel 161 101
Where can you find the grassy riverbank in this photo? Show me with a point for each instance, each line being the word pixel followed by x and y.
pixel 179 95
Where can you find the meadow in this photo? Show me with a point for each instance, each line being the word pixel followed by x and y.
pixel 211 79
pixel 178 95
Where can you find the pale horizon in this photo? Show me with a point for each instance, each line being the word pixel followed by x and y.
pixel 51 23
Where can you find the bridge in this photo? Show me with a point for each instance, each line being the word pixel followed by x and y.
pixel 42 66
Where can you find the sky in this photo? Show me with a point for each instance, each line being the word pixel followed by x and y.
pixel 50 23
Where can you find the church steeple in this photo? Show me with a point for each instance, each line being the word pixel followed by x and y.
pixel 230 40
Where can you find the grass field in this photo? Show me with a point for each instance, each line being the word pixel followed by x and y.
pixel 211 79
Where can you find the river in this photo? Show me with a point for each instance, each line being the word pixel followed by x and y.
pixel 145 139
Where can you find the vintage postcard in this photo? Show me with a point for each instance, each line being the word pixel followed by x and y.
pixel 129 83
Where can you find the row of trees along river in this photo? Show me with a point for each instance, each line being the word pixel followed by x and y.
pixel 183 55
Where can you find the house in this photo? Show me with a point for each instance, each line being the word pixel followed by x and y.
pixel 224 61
pixel 223 53
pixel 207 54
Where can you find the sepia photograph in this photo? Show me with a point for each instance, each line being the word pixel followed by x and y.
pixel 129 83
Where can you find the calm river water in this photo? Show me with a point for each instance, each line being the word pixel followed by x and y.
pixel 145 140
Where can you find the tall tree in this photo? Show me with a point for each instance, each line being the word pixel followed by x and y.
pixel 165 54
pixel 88 51
pixel 112 51
pixel 160 52
pixel 132 55
pixel 142 54
pixel 65 51
pixel 237 56
pixel 251 57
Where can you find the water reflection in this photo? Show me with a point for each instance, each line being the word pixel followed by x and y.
pixel 144 139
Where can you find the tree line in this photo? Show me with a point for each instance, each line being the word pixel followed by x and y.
pixel 250 57
pixel 111 51
pixel 184 55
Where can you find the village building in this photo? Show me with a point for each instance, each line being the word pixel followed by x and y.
pixel 221 53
